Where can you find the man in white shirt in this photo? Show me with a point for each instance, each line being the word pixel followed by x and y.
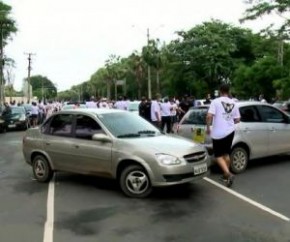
pixel 174 109
pixel 165 108
pixel 155 111
pixel 119 104
pixel 223 114
pixel 91 103
pixel 104 103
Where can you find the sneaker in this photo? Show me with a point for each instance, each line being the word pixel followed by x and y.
pixel 223 178
pixel 230 181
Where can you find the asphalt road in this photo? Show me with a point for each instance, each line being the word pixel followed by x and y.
pixel 91 209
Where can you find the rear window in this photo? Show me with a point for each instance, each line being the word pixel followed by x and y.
pixel 195 116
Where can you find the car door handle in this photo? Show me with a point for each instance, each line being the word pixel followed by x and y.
pixel 76 146
pixel 272 129
pixel 47 143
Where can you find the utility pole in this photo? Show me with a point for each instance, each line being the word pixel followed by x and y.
pixel 149 70
pixel 28 76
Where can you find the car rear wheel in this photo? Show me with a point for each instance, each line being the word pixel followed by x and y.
pixel 41 169
pixel 135 182
pixel 239 159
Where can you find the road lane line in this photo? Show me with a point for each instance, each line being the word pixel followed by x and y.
pixel 248 200
pixel 48 227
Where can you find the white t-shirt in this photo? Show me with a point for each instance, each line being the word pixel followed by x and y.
pixel 119 105
pixel 104 105
pixel 34 110
pixel 225 110
pixel 174 109
pixel 155 107
pixel 91 104
pixel 165 109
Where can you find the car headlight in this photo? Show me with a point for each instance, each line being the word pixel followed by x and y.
pixel 169 160
pixel 22 118
pixel 1 121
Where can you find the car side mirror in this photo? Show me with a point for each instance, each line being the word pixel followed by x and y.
pixel 101 138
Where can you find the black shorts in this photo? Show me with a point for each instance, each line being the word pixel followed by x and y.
pixel 223 146
pixel 33 116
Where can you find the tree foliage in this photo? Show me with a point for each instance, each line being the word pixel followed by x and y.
pixel 42 87
pixel 196 62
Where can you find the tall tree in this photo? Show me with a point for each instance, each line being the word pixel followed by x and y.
pixel 42 87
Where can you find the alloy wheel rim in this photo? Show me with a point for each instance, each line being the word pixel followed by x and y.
pixel 39 168
pixel 239 160
pixel 137 182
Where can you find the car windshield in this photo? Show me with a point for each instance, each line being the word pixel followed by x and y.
pixel 128 125
pixel 28 107
pixel 72 106
pixel 17 110
pixel 133 106
pixel 195 116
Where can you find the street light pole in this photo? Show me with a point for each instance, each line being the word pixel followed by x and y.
pixel 149 69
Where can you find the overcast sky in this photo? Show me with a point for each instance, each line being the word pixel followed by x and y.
pixel 71 39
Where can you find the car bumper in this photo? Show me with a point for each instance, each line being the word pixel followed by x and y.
pixel 168 176
pixel 16 124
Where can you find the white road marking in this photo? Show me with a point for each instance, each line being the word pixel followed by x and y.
pixel 48 227
pixel 248 200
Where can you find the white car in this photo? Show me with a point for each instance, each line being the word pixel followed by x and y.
pixel 264 131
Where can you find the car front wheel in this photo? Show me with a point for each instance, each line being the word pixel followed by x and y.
pixel 239 159
pixel 135 182
pixel 41 169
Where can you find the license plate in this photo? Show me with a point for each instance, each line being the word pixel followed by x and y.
pixel 12 126
pixel 199 169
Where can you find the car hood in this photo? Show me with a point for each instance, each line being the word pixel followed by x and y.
pixel 12 116
pixel 167 144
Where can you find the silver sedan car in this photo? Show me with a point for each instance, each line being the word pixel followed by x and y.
pixel 115 144
pixel 264 131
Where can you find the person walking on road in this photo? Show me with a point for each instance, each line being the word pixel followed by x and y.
pixel 223 114
pixel 156 112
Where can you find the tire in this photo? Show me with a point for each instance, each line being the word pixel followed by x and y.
pixel 239 159
pixel 135 175
pixel 41 169
pixel 3 130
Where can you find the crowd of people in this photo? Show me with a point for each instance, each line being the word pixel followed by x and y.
pixel 37 111
pixel 163 113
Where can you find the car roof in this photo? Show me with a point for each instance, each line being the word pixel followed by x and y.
pixel 92 111
pixel 239 103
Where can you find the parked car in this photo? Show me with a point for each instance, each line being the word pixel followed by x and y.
pixel 283 105
pixel 73 106
pixel 264 130
pixel 115 144
pixel 134 107
pixel 3 126
pixel 17 118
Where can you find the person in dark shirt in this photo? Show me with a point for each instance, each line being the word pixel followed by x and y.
pixel 7 109
pixel 184 106
pixel 145 109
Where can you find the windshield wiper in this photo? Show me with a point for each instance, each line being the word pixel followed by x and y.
pixel 129 135
pixel 147 132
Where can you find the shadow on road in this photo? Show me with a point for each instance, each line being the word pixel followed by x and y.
pixel 178 192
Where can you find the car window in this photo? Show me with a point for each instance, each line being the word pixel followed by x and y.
pixel 46 125
pixel 195 116
pixel 249 114
pixel 86 127
pixel 272 115
pixel 61 125
pixel 123 124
